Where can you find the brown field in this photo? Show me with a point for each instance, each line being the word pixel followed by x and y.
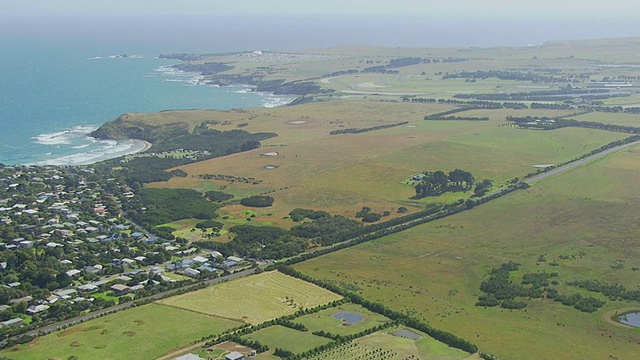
pixel 342 173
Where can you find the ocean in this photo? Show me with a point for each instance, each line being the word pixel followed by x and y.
pixel 53 96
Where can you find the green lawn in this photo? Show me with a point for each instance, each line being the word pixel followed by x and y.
pixel 324 320
pixel 146 332
pixel 293 340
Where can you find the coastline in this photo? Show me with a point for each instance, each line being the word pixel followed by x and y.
pixel 113 149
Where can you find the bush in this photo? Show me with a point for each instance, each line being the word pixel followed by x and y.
pixel 257 201
pixel 217 196
pixel 209 224
pixel 371 217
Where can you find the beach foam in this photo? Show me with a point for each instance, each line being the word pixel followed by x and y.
pixel 101 150
pixel 65 136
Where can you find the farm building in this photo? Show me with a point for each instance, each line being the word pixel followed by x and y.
pixel 234 356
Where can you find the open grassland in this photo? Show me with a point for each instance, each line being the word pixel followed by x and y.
pixel 253 299
pixel 611 118
pixel 584 221
pixel 145 332
pixel 324 320
pixel 342 173
pixel 289 339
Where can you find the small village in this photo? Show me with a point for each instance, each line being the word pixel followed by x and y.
pixel 69 250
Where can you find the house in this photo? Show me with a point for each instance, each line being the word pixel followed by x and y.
pixel 200 259
pixel 135 272
pixel 26 244
pixel 119 289
pixel 34 309
pixel 13 322
pixel 215 254
pixel 128 262
pixel 206 267
pixel 191 272
pixel 65 294
pixel 234 258
pixel 234 356
pixel 87 287
pixel 152 240
pixel 137 235
pixel 22 299
pixel 137 287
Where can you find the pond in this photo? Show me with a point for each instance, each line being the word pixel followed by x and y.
pixel 632 319
pixel 349 317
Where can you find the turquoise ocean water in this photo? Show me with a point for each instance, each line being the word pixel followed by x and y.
pixel 52 96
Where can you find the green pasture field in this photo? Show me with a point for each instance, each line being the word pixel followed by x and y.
pixel 324 321
pixel 289 339
pixel 611 118
pixel 145 332
pixel 383 345
pixel 434 271
pixel 253 299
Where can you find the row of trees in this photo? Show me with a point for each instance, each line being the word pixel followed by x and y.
pixel 361 130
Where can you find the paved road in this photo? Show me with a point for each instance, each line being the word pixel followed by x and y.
pixel 579 162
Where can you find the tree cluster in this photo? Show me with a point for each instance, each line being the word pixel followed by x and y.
pixel 152 206
pixel 434 183
pixel 257 201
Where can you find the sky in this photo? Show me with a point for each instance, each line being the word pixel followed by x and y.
pixel 202 25
pixel 615 8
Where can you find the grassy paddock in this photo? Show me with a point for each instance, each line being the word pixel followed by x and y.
pixel 285 338
pixel 253 299
pixel 146 332
pixel 434 271
pixel 324 321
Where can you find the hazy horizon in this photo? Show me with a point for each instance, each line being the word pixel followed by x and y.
pixel 196 26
